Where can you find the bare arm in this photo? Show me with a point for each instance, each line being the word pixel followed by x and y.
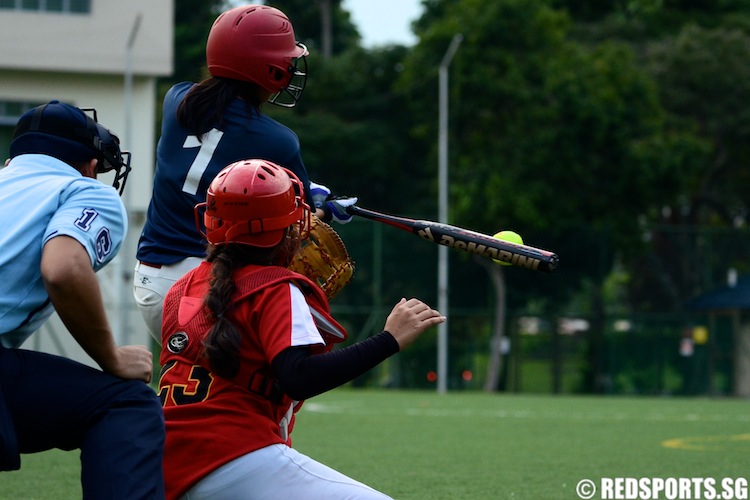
pixel 408 319
pixel 74 291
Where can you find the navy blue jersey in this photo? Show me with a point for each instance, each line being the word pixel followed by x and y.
pixel 185 166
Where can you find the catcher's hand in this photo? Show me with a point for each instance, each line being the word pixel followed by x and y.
pixel 323 258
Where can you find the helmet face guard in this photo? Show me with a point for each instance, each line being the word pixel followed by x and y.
pixel 110 156
pixel 67 133
pixel 288 96
pixel 253 202
pixel 256 43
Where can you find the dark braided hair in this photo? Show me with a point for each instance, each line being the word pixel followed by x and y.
pixel 222 343
pixel 203 106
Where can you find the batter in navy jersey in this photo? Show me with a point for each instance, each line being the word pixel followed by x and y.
pixel 186 165
pixel 59 226
pixel 253 58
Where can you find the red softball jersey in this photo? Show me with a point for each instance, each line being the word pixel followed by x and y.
pixel 211 420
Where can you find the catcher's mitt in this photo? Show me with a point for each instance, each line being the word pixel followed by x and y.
pixel 324 259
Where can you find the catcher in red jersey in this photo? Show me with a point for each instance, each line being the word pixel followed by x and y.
pixel 246 340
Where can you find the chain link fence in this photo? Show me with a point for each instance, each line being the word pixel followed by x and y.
pixel 692 352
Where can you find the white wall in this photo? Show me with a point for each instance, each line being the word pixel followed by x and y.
pixel 92 43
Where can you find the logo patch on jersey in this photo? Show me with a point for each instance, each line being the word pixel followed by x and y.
pixel 189 307
pixel 177 342
pixel 103 244
pixel 86 219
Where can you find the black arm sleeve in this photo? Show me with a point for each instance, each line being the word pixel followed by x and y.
pixel 303 374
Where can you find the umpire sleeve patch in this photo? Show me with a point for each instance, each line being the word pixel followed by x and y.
pixel 103 244
pixel 87 217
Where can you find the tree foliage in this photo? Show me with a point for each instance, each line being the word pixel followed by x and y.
pixel 551 138
pixel 702 76
pixel 193 20
pixel 307 18
pixel 578 123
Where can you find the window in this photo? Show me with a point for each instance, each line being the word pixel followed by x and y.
pixel 79 6
pixel 10 112
pixel 62 6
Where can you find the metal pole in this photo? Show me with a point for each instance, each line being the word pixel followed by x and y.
pixel 124 282
pixel 442 354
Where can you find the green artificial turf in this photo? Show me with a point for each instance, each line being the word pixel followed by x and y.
pixel 472 445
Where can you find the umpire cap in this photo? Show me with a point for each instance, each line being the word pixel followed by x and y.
pixel 67 133
pixel 55 129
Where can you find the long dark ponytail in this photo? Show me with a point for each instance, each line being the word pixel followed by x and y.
pixel 204 105
pixel 222 343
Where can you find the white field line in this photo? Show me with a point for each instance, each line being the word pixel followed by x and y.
pixel 345 408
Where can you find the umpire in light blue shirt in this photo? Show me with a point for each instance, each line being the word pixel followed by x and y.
pixel 58 226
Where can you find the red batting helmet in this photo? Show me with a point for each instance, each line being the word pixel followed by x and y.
pixel 256 43
pixel 252 202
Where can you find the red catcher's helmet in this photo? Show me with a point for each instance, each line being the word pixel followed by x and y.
pixel 252 202
pixel 256 43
